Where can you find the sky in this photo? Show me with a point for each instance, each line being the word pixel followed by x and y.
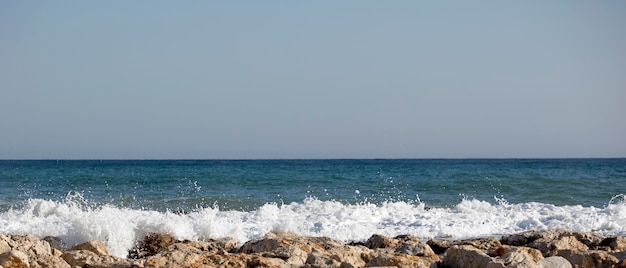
pixel 312 79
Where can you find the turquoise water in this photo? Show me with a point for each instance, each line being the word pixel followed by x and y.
pixel 119 201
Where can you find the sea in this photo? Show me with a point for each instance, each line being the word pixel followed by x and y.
pixel 120 201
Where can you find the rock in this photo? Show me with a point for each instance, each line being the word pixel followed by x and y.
pixel 589 259
pixel 152 244
pixel 519 259
pixel 550 241
pixel 591 240
pixel 614 243
pixel 30 245
pixel 349 256
pixel 14 259
pixel 535 254
pixel 466 256
pixel 86 258
pixel 176 255
pixel 55 242
pixel 292 248
pixel 94 246
pixel 554 262
pixel 49 261
pixel 380 241
pixel 319 258
pixel 552 247
pixel 266 263
pixel 488 245
pixel 4 246
pixel 620 264
pixel 389 258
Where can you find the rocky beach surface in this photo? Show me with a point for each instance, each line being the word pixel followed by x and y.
pixel 531 249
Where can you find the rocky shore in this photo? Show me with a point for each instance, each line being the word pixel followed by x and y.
pixel 532 249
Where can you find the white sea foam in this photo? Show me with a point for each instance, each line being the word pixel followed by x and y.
pixel 119 228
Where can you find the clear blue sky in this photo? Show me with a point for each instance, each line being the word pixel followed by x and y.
pixel 312 79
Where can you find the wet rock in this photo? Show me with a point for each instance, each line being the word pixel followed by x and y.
pixel 554 262
pixel 14 259
pixel 94 246
pixel 152 244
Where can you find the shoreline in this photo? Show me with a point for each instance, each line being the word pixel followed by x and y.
pixel 536 248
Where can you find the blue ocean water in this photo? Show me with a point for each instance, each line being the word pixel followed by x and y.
pixel 120 201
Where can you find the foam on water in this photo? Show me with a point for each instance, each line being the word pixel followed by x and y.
pixel 119 228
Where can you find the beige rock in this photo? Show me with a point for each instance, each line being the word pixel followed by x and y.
pixel 46 261
pixel 292 248
pixel 4 246
pixel 534 253
pixel 543 238
pixel 94 246
pixel 225 260
pixel 554 262
pixel 31 245
pixel 177 255
pixel 319 258
pixel 552 247
pixel 267 263
pixel 466 256
pixel 417 249
pixel 518 259
pixel 349 256
pixel 86 258
pixel 14 259
pixel 380 241
pixel 589 259
pixel 390 258
pixel 489 244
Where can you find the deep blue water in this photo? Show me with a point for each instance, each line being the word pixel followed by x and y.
pixel 248 184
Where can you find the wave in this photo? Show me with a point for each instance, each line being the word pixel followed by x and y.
pixel 119 228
